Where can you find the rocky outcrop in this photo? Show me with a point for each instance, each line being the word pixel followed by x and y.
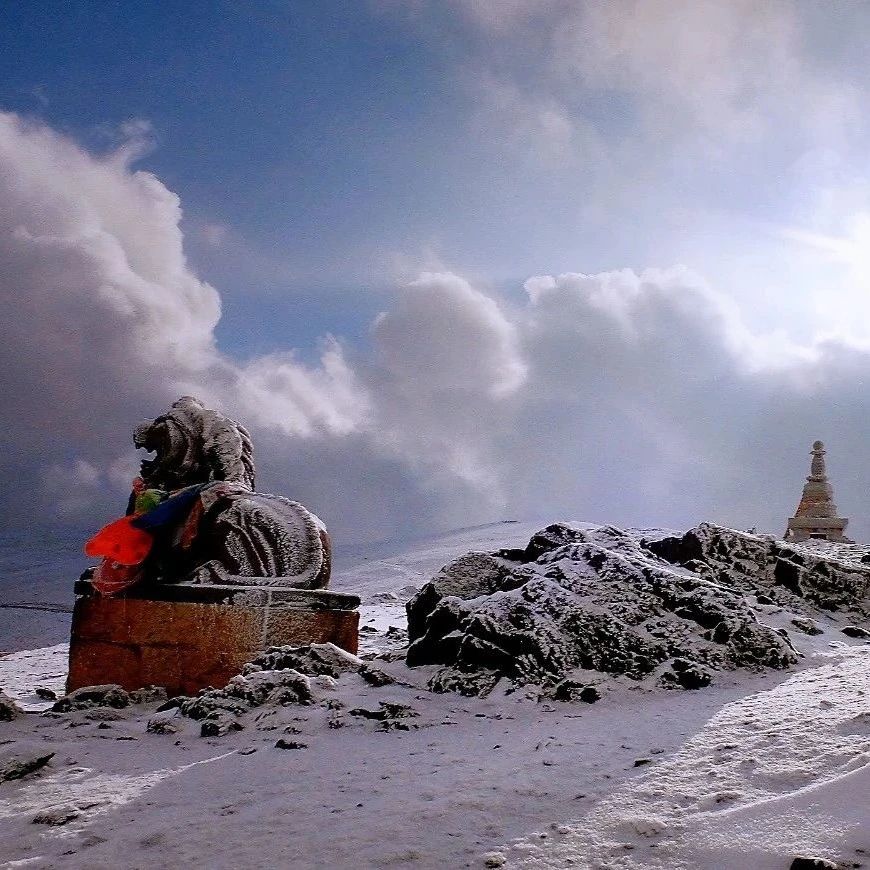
pixel 280 676
pixel 824 575
pixel 586 605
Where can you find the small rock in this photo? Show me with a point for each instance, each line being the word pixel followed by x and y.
pixel 289 744
pixel 149 695
pixel 494 859
pixel 806 625
pixel 803 863
pixel 163 723
pixel 687 675
pixel 367 714
pixel 375 676
pixel 855 631
pixel 568 690
pixel 640 762
pixel 218 724
pixel 313 659
pixel 389 710
pixel 56 816
pixel 394 725
pixel 248 750
pixel 9 710
pixel 394 710
pixel 92 696
pixel 44 694
pixel 22 758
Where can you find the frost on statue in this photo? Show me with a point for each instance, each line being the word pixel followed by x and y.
pixel 203 572
pixel 194 516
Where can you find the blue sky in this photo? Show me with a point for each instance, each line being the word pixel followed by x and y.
pixel 372 196
pixel 330 139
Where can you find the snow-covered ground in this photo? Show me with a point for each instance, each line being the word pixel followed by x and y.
pixel 744 774
pixel 780 772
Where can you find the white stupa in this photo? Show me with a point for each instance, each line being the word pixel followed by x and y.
pixel 816 516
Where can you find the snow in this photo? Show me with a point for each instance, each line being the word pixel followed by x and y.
pixel 778 772
pixel 23 671
pixel 746 773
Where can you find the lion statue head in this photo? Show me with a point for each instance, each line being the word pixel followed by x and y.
pixel 193 444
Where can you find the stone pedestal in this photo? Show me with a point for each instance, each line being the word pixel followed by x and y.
pixel 187 637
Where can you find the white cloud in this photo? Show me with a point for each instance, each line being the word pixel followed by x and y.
pixel 279 392
pixel 444 335
pixel 71 488
pixel 622 396
pixel 721 72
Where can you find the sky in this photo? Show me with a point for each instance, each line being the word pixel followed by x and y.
pixel 452 261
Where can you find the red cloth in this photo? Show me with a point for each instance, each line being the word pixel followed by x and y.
pixel 121 542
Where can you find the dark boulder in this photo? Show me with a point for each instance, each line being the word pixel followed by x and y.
pixel 584 600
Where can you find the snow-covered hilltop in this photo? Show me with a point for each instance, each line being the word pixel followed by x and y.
pixel 576 605
pixel 314 758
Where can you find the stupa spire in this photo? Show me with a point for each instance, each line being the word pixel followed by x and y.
pixel 816 515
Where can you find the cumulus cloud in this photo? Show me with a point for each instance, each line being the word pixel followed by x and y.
pixel 632 397
pixel 720 71
pixel 446 359
pixel 443 335
pixel 104 321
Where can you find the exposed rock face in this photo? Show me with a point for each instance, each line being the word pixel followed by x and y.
pixel 825 575
pixel 575 602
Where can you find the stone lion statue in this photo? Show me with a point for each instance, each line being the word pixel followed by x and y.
pixel 195 502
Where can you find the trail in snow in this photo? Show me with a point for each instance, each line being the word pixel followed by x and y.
pixel 773 775
pixel 89 792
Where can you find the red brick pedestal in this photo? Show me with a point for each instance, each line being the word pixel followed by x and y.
pixel 188 637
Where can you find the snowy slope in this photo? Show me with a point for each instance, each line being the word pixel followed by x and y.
pixel 778 772
pixel 37 568
pixel 747 773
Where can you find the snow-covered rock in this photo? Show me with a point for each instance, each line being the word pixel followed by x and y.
pixel 109 695
pixel 822 575
pixel 280 676
pixel 9 710
pixel 589 603
pixel 22 757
